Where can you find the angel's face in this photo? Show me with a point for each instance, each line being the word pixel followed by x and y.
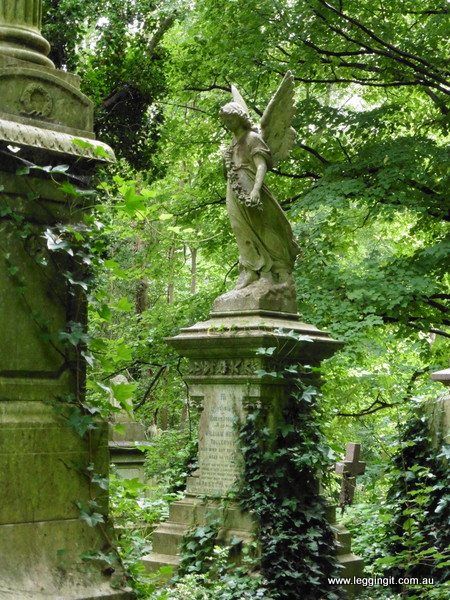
pixel 232 121
pixel 233 118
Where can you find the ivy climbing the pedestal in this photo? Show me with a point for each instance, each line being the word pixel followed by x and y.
pixel 60 251
pixel 285 456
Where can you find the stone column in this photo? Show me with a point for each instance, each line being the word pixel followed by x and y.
pixel 44 464
pixel 20 37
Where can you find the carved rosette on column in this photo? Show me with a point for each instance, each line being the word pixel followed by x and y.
pixel 44 120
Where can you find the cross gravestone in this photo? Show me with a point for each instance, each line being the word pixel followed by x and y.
pixel 349 468
pixel 45 120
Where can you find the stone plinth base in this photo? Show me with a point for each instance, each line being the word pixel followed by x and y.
pixel 261 295
pixel 128 459
pixel 192 512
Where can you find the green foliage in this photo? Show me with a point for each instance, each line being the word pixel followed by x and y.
pixel 171 458
pixel 114 46
pixel 365 190
pixel 197 550
pixel 418 539
pixel 211 567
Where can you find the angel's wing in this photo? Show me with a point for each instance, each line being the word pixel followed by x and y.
pixel 238 98
pixel 276 121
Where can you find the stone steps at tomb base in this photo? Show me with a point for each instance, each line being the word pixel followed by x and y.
pixel 155 561
pixel 167 540
pixel 344 539
pixel 193 511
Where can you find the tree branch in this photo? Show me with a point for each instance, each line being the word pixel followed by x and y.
pixel 376 405
pixel 313 152
pixel 389 54
pixel 379 404
pixel 208 88
pixel 376 38
pixel 305 175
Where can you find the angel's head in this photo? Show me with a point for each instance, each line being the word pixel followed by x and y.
pixel 234 117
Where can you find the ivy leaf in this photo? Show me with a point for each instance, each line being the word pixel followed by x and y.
pixel 92 519
pixel 60 169
pixel 124 305
pixel 88 357
pixel 80 422
pixel 123 393
pixel 102 482
pixel 25 170
pixel 68 188
pixel 265 351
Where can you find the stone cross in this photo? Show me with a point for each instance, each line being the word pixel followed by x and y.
pixel 349 468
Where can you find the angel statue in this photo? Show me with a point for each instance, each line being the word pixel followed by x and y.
pixel 267 248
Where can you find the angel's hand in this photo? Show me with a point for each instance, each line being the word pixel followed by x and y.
pixel 255 197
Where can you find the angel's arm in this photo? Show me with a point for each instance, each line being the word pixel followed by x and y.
pixel 261 170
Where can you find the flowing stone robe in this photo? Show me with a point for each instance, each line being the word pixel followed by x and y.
pixel 263 233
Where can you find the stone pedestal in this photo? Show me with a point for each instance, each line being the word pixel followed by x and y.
pixel 44 120
pixel 227 372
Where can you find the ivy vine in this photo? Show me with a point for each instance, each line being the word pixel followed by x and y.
pixel 418 537
pixel 71 250
pixel 285 456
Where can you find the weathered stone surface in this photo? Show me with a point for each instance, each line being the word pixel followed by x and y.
pixel 261 295
pixel 125 447
pixel 237 335
pixel 225 375
pixel 20 36
pixel 267 248
pixel 217 458
pixel 189 512
pixel 126 436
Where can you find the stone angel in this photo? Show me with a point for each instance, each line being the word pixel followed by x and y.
pixel 267 248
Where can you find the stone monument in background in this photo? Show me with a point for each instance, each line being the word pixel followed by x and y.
pixel 127 438
pixel 225 363
pixel 439 411
pixel 44 465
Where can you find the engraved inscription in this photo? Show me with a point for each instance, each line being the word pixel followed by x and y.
pixel 218 458
pixel 238 366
